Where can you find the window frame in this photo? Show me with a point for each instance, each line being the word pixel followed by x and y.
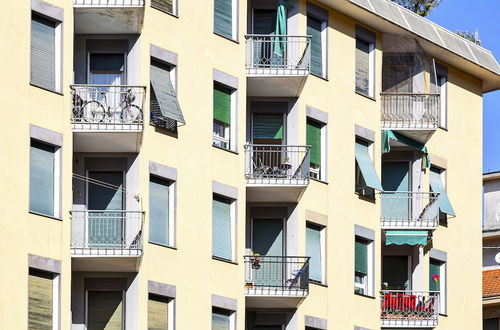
pixel 363 190
pixel 443 92
pixel 370 253
pixel 231 131
pixel 234 22
pixel 172 189
pixel 443 276
pixel 56 290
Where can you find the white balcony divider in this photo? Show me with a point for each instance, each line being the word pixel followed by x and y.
pixel 409 210
pixel 108 3
pixel 104 107
pixel 268 164
pixel 276 276
pixel 410 111
pixel 110 233
pixel 277 54
pixel 409 309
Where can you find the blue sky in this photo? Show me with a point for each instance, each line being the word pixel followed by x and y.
pixel 485 16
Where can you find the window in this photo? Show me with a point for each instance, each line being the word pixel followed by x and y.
pixel 366 176
pixel 161 211
pixel 44 179
pixel 315 137
pixel 223 228
pixel 437 179
pixel 437 281
pixel 442 87
pixel 316 28
pixel 225 14
pixel 315 249
pixel 222 108
pixel 105 309
pixel 363 263
pixel 46 50
pixel 222 319
pixel 365 62
pixel 168 6
pixel 43 291
pixel 491 324
pixel 160 312
pixel 164 106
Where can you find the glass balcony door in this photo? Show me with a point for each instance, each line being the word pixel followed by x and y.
pixel 396 272
pixel 396 179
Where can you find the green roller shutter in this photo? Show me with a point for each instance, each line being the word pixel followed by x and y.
pixel 437 186
pixel 40 300
pixel 223 17
pixel 222 104
pixel 314 30
pixel 313 250
pixel 165 5
pixel 164 103
pixel 42 178
pixel 105 310
pixel 361 257
pixel 220 319
pixel 313 139
pixel 157 312
pixel 267 126
pixel 159 191
pixel 43 52
pixel 434 269
pixel 221 228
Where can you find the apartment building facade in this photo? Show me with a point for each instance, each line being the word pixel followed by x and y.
pixel 235 164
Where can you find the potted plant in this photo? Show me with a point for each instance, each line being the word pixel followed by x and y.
pixel 255 260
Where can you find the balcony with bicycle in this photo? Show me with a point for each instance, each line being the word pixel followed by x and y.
pixel 108 16
pixel 276 281
pixel 107 117
pixel 106 240
pixel 409 309
pixel 278 173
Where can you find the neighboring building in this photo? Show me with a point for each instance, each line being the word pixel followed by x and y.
pixel 491 251
pixel 230 164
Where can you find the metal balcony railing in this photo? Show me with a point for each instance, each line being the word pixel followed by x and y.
pixel 410 111
pixel 405 209
pixel 276 276
pixel 409 308
pixel 108 3
pixel 105 107
pixel 277 54
pixel 277 164
pixel 107 233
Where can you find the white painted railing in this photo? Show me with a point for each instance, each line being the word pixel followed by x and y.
pixel 409 309
pixel 108 3
pixel 406 209
pixel 410 110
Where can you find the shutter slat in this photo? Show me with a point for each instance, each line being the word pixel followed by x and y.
pixel 40 300
pixel 42 178
pixel 313 250
pixel 221 228
pixel 164 94
pixel 362 66
pixel 223 17
pixel 313 138
pixel 157 313
pixel 314 30
pixel 159 211
pixel 165 5
pixel 267 126
pixel 222 104
pixel 361 257
pixel 43 52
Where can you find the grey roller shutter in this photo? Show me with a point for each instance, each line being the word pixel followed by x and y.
pixel 223 17
pixel 43 52
pixel 42 178
pixel 164 103
pixel 221 228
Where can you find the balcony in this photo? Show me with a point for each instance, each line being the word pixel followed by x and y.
pixel 108 16
pixel 277 65
pixel 409 210
pixel 409 309
pixel 413 115
pixel 278 173
pixel 107 118
pixel 106 240
pixel 276 281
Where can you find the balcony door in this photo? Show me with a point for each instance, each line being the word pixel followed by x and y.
pixel 396 272
pixel 107 69
pixel 105 310
pixel 396 184
pixel 105 204
pixel 263 24
pixel 268 240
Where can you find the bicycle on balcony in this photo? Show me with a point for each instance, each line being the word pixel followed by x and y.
pixel 96 108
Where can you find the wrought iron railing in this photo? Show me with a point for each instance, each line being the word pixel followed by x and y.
pixel 405 209
pixel 409 308
pixel 410 110
pixel 109 3
pixel 276 276
pixel 107 232
pixel 277 164
pixel 277 54
pixel 107 107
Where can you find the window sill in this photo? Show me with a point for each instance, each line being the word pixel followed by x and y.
pixel 318 180
pixel 443 315
pixel 164 11
pixel 163 245
pixel 364 295
pixel 224 260
pixel 318 284
pixel 443 128
pixel 236 41
pixel 318 76
pixel 366 198
pixel 224 149
pixel 46 215
pixel 47 89
pixel 366 96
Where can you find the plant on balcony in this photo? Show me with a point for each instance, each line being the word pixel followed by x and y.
pixel 255 260
pixel 471 36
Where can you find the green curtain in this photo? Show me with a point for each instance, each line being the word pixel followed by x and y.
pixel 222 104
pixel 434 268
pixel 437 186
pixel 391 135
pixel 221 228
pixel 313 138
pixel 267 126
pixel 361 257
pixel 279 44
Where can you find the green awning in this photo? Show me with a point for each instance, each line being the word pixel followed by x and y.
pixel 365 164
pixel 408 237
pixel 437 186
pixel 391 135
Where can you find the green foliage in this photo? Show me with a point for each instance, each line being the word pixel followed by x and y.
pixel 420 7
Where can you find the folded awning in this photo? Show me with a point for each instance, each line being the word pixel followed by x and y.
pixel 408 237
pixel 388 135
pixel 164 95
pixel 365 164
pixel 437 186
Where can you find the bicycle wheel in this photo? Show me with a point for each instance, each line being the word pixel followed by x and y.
pixel 132 114
pixel 93 111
